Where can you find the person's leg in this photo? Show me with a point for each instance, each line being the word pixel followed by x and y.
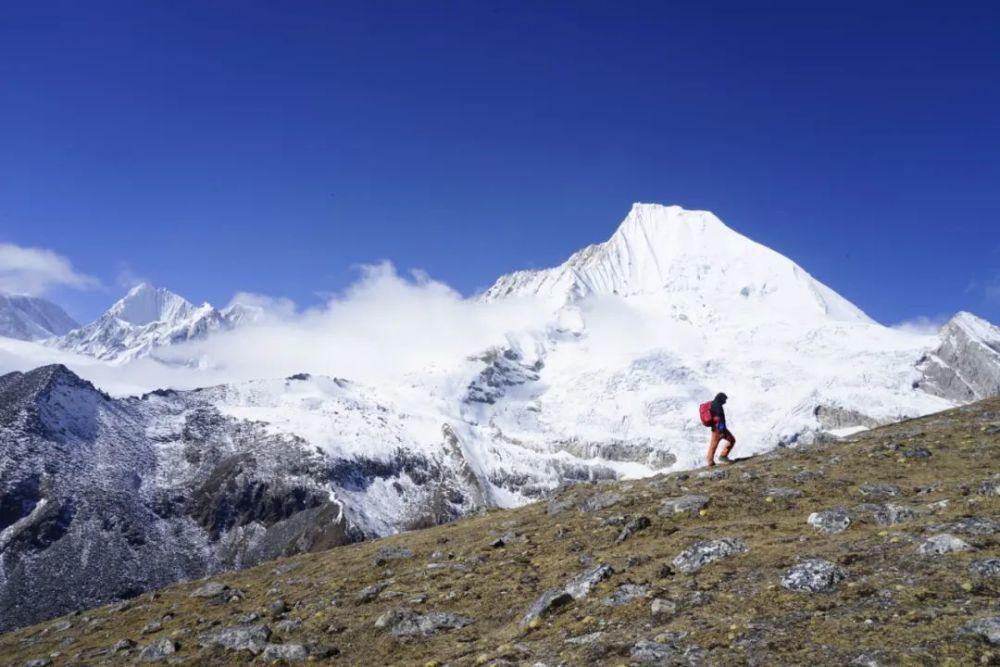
pixel 712 444
pixel 730 440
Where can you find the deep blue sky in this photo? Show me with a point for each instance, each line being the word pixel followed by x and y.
pixel 221 146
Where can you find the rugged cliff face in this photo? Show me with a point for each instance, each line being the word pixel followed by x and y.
pixel 966 365
pixel 880 549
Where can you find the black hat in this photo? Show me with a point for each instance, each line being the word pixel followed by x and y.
pixel 721 398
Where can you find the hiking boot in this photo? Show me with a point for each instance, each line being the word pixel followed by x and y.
pixel 725 459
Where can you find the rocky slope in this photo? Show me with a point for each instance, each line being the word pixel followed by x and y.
pixel 880 549
pixel 30 318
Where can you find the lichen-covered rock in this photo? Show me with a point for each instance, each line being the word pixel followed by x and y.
pixel 879 490
pixel 547 602
pixel 986 568
pixel 158 650
pixel 987 629
pixel 580 585
pixel 405 622
pixel 252 638
pixel 600 501
pixel 782 492
pixel 943 544
pixel 625 594
pixel 813 576
pixel 691 503
pixel 286 652
pixel 661 609
pixel 713 473
pixel 213 590
pixel 700 554
pixel 835 520
pixel 990 487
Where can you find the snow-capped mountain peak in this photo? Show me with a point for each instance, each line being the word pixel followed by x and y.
pixel 144 304
pixel 680 255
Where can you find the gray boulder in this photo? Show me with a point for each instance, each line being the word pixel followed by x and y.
pixel 984 628
pixel 252 638
pixel 700 554
pixel 782 492
pixel 405 622
pixel 625 594
pixel 813 576
pixel 943 544
pixel 879 490
pixel 681 504
pixel 158 650
pixel 835 520
pixel 988 568
pixel 990 487
pixel 286 652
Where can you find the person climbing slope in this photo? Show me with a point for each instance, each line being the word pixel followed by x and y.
pixel 714 415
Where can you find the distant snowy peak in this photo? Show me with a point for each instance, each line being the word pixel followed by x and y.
pixel 30 318
pixel 145 304
pixel 966 365
pixel 664 250
pixel 148 318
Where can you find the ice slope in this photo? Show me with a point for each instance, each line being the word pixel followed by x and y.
pixel 30 318
pixel 147 318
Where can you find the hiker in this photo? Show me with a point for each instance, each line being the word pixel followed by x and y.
pixel 714 416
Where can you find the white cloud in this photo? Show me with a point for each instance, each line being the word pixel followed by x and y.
pixel 34 271
pixel 269 306
pixel 922 324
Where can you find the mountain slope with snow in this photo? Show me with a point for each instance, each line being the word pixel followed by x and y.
pixel 148 318
pixel 29 318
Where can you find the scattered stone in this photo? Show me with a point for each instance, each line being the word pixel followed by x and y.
pixel 782 492
pixel 288 625
pixel 38 662
pixel 990 487
pixel 559 505
pixel 971 526
pixel 665 652
pixel 581 585
pixel 505 540
pixel 700 554
pixel 277 608
pixel 385 554
pixel 813 576
pixel 252 638
pixel 807 476
pixel 682 504
pixel 369 593
pixel 986 568
pixel 625 594
pixel 879 490
pixel 943 544
pixel 661 609
pixel 248 617
pixel 714 473
pixel 123 645
pixel 549 601
pixel 60 626
pixel 405 622
pixel 984 628
pixel 864 660
pixel 286 652
pixel 632 527
pixel 917 453
pixel 586 640
pixel 891 514
pixel 151 627
pixel 213 590
pixel 835 520
pixel 600 501
pixel 158 650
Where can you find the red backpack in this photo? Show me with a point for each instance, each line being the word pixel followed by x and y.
pixel 705 412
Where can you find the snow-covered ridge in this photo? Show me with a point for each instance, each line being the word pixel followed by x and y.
pixel 30 318
pixel 669 251
pixel 147 318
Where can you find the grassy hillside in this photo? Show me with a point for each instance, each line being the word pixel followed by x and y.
pixel 461 594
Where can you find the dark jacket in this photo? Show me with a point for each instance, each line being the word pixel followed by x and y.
pixel 717 410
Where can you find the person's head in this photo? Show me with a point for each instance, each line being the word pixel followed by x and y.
pixel 721 398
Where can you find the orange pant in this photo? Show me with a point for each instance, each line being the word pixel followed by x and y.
pixel 714 442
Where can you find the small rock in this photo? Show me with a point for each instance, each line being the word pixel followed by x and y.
pixel 580 585
pixel 369 593
pixel 248 617
pixel 600 501
pixel 917 453
pixel 700 554
pixel 212 590
pixel 984 628
pixel 288 625
pixel 986 568
pixel 252 638
pixel 151 627
pixel 835 520
pixel 943 544
pixel 813 576
pixel 682 504
pixel 714 473
pixel 158 650
pixel 586 640
pixel 503 540
pixel 549 601
pixel 782 492
pixel 978 525
pixel 879 490
pixel 123 645
pixel 807 476
pixel 990 487
pixel 405 622
pixel 286 652
pixel 277 608
pixel 385 554
pixel 662 609
pixel 625 594
pixel 61 626
pixel 38 662
pixel 632 527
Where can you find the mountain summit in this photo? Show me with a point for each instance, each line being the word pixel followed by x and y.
pixel 30 318
pixel 682 257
